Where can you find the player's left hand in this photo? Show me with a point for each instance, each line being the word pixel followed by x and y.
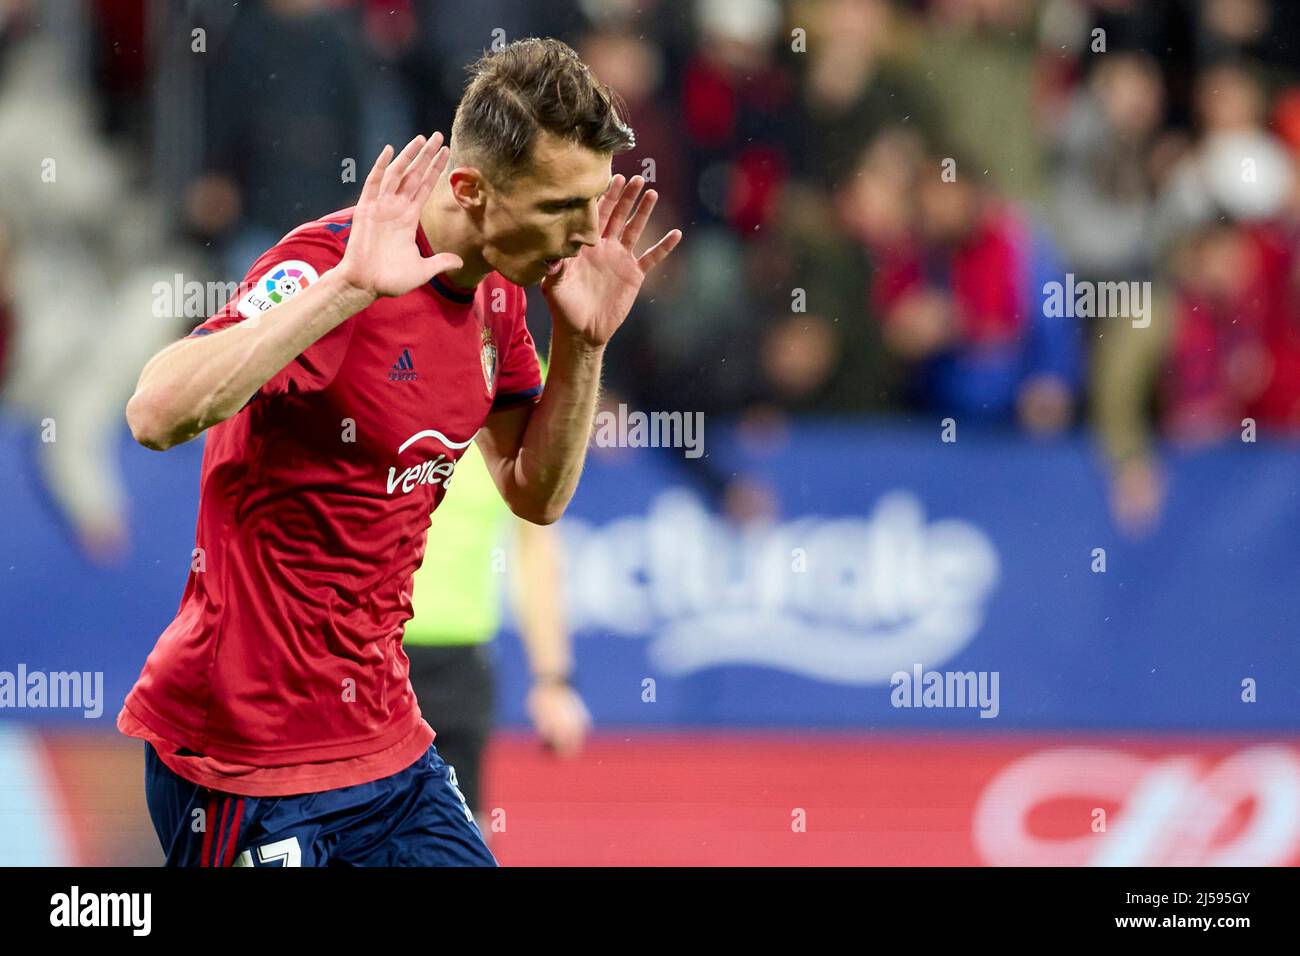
pixel 593 292
pixel 559 716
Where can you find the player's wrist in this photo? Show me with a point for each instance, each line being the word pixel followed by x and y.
pixel 348 290
pixel 576 341
pixel 553 678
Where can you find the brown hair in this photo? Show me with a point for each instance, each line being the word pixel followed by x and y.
pixel 526 86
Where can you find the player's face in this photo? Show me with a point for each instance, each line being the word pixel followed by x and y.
pixel 546 214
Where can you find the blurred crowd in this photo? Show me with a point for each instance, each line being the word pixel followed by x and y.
pixel 875 195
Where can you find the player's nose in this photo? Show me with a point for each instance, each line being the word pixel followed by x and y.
pixel 589 233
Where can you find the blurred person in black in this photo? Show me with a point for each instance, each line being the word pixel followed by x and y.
pixel 285 104
pixel 853 83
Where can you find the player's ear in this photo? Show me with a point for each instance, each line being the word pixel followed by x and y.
pixel 467 186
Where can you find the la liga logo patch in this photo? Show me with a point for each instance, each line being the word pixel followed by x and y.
pixel 285 282
pixel 280 283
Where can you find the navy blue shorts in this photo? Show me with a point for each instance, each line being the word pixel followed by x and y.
pixel 416 817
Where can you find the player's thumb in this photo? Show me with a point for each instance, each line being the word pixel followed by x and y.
pixel 440 263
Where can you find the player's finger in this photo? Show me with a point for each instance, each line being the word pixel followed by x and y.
pixel 636 225
pixel 438 161
pixel 397 168
pixel 410 156
pixel 419 168
pixel 659 251
pixel 624 205
pixel 431 175
pixel 410 153
pixel 414 174
pixel 370 188
pixel 607 201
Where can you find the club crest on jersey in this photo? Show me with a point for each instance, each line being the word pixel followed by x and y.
pixel 489 357
pixel 281 282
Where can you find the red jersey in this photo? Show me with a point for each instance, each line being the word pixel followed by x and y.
pixel 283 671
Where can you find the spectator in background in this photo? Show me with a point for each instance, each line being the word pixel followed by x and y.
pixel 822 351
pixel 1231 106
pixel 799 358
pixel 1105 176
pixel 853 84
pixel 736 112
pixel 1111 157
pixel 1231 28
pixel 958 293
pixel 1232 297
pixel 979 62
pixel 286 94
pixel 1221 346
pixel 1233 347
pixel 731 154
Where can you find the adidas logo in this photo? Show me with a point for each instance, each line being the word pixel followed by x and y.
pixel 403 369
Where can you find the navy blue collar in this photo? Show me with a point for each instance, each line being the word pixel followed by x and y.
pixel 463 296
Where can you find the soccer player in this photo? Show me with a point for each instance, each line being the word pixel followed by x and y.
pixel 280 723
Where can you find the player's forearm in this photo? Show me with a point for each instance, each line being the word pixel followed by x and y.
pixel 196 383
pixel 537 601
pixel 554 446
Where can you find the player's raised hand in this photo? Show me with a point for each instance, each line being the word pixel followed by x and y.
pixel 594 291
pixel 382 257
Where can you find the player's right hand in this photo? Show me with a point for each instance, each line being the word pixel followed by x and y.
pixel 382 258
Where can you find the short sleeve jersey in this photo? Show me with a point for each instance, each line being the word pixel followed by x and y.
pixel 284 662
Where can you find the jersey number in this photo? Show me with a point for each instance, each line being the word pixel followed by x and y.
pixel 283 852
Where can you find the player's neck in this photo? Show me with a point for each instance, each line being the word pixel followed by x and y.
pixel 448 229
